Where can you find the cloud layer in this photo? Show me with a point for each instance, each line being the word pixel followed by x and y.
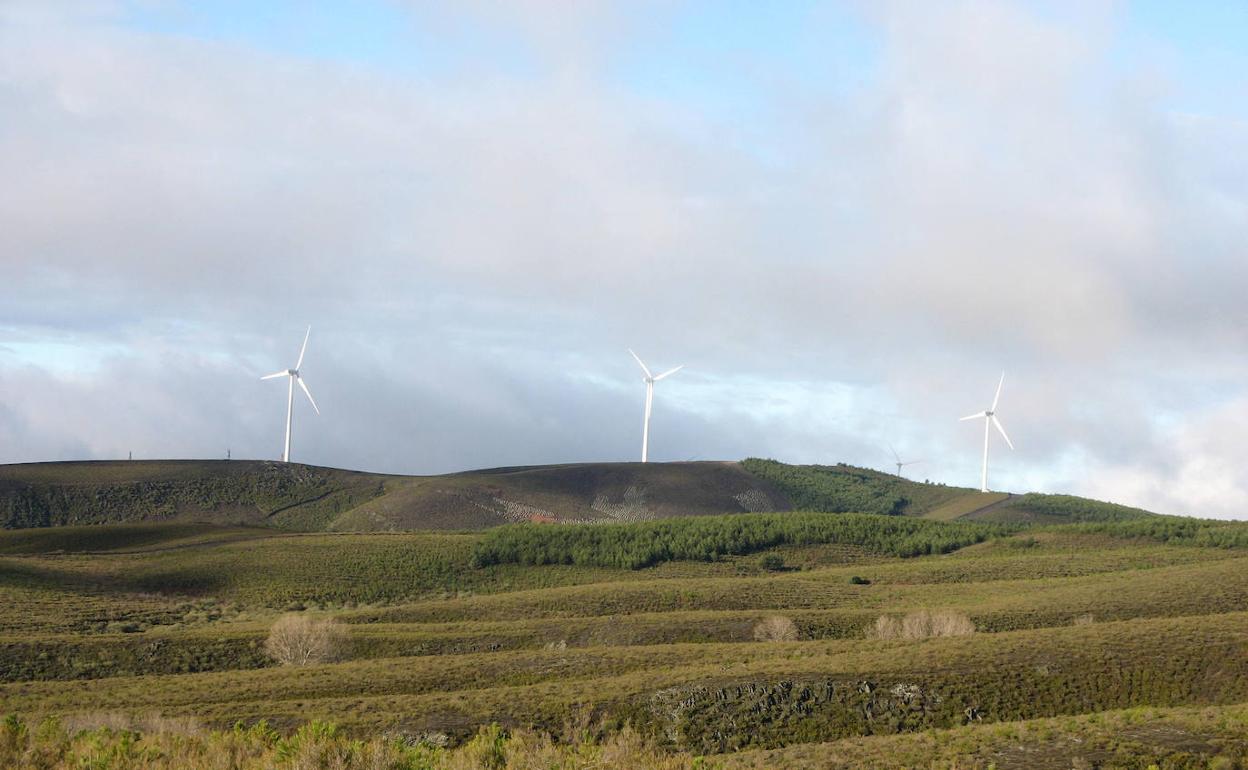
pixel 476 243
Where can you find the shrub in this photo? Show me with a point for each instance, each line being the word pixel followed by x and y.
pixel 299 640
pixel 859 581
pixel 886 627
pixel 1073 508
pixel 707 538
pixel 776 628
pixel 1085 619
pixel 922 624
pixel 772 562
pixel 831 489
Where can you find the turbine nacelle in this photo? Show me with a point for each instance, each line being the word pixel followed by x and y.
pixel 649 379
pixel 899 462
pixel 989 417
pixel 293 376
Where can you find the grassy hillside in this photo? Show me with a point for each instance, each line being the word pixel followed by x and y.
pixel 1076 627
pixel 1058 509
pixel 307 498
pixel 285 495
pixel 843 488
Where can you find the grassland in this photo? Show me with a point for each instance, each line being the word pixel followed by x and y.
pixel 1103 635
pixel 301 498
pixel 306 498
pixel 1081 629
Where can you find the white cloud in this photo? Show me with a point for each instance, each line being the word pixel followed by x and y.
pixel 1001 194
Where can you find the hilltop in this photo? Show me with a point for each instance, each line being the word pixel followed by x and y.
pixel 308 498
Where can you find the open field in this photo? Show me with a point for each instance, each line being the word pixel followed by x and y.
pixel 112 624
pixel 1026 630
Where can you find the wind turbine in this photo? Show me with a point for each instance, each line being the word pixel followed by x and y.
pixel 649 379
pixel 294 376
pixel 899 462
pixel 990 419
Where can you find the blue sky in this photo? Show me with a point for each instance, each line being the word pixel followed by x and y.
pixel 687 51
pixel 846 218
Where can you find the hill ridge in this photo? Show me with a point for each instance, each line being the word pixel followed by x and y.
pixel 300 497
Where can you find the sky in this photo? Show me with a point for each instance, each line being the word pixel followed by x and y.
pixel 846 219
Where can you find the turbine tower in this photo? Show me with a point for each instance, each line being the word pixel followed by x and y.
pixel 990 418
pixel 899 462
pixel 649 379
pixel 293 375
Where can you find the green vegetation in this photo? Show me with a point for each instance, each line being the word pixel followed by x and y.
pixel 844 488
pixel 123 744
pixel 707 538
pixel 1174 738
pixel 1204 533
pixel 284 495
pixel 1066 632
pixel 972 502
pixel 304 498
pixel 1057 509
pixel 772 562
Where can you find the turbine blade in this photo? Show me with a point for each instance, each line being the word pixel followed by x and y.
pixel 274 374
pixel 639 362
pixel 303 349
pixel 997 423
pixel 669 372
pixel 896 456
pixel 975 416
pixel 307 393
pixel 997 397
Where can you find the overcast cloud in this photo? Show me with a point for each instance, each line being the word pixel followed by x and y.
pixel 846 225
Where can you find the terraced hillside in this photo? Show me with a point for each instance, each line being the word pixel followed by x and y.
pixel 842 641
pixel 307 498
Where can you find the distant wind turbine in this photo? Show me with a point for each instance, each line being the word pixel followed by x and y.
pixel 294 376
pixel 990 419
pixel 899 462
pixel 649 379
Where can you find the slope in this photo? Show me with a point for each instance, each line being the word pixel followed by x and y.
pixel 307 498
pixel 313 499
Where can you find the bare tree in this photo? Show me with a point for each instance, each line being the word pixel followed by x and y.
pixel 299 640
pixel 922 624
pixel 776 628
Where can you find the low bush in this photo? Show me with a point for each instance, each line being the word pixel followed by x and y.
pixel 1172 530
pixel 1071 508
pixel 923 624
pixel 772 562
pixel 776 628
pixel 300 640
pixel 51 745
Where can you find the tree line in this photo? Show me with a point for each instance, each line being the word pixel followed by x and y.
pixel 708 538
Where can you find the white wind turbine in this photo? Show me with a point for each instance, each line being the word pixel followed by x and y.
pixel 990 418
pixel 899 462
pixel 649 379
pixel 294 376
